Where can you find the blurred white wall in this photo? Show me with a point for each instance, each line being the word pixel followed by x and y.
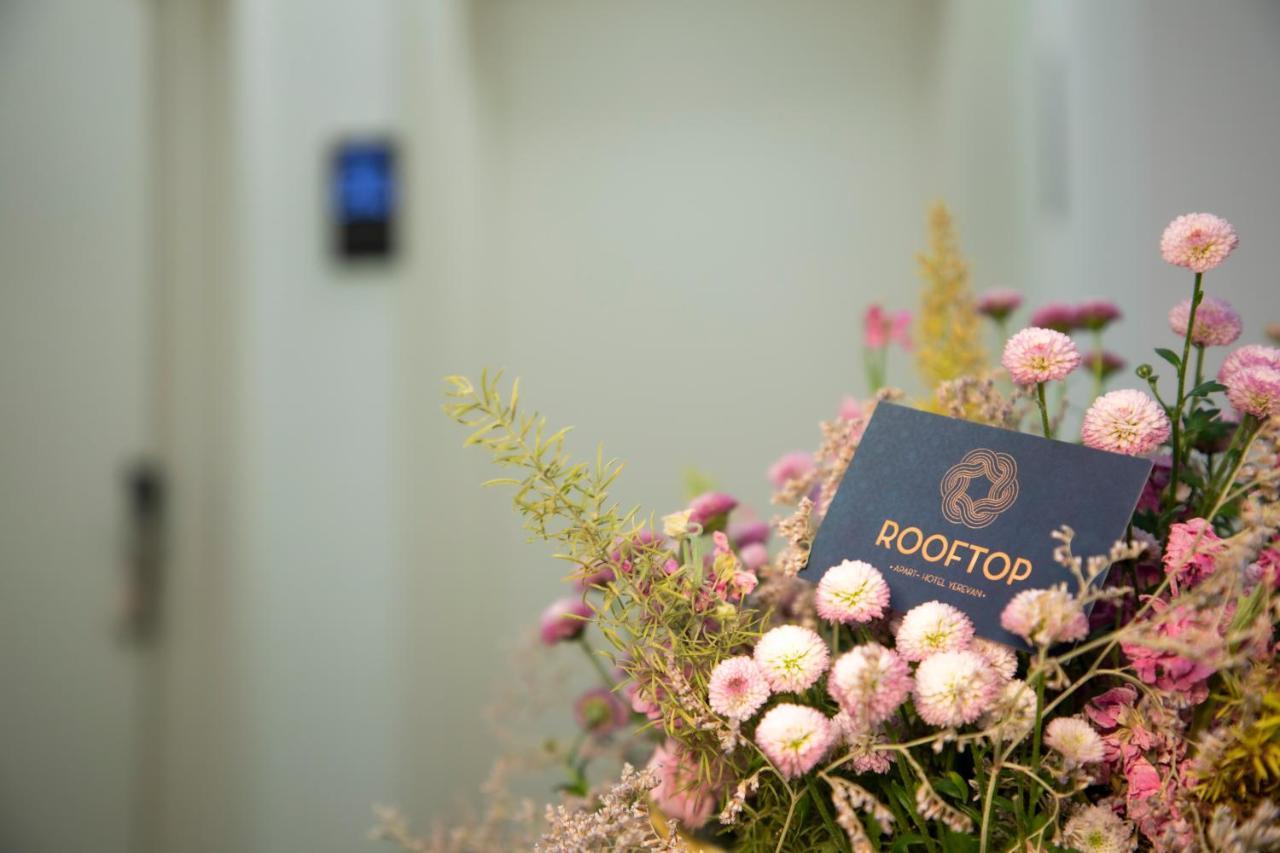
pixel 318 642
pixel 75 403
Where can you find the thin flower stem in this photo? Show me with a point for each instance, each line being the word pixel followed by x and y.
pixel 1254 427
pixel 1175 471
pixel 1097 363
pixel 595 661
pixel 1044 409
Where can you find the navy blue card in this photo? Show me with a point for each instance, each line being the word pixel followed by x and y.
pixel 962 513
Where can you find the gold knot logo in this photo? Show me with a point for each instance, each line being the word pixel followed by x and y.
pixel 1000 469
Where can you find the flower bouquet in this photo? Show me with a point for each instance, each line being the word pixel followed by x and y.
pixel 762 712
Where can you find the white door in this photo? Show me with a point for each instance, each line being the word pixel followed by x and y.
pixel 75 403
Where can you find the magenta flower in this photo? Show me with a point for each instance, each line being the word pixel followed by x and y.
pixel 1217 323
pixel 1056 316
pixel 1111 363
pixel 737 688
pixel 881 329
pixel 748 532
pixel 711 510
pixel 1125 421
pixel 564 619
pixel 1191 555
pixel 851 592
pixel 1255 391
pixel 794 738
pixel 1037 355
pixel 600 711
pixel 790 466
pixel 1155 664
pixel 1097 314
pixel 999 303
pixel 1198 241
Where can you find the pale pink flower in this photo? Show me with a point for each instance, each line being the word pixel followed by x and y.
pixel 881 329
pixel 1217 323
pixel 679 794
pixel 711 509
pixel 850 409
pixel 600 711
pixel 1098 829
pixel 1097 314
pixel 1013 713
pixel 954 688
pixel 1044 617
pixel 1056 316
pixel 790 466
pixel 999 303
pixel 794 738
pixel 1198 241
pixel 1075 740
pixel 1255 391
pixel 1003 660
pixel 754 556
pixel 861 743
pixel 869 683
pixel 792 658
pixel 1125 421
pixel 1037 355
pixel 933 627
pixel 564 619
pixel 1250 355
pixel 1192 552
pixel 737 688
pixel 852 591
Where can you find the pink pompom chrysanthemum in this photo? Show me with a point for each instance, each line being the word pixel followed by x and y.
pixel 1037 355
pixel 1125 421
pixel 1217 323
pixel 792 658
pixel 999 303
pixel 869 683
pixel 1043 617
pixel 852 591
pixel 1002 658
pixel 679 793
pixel 1255 391
pixel 1013 712
pixel 794 737
pixel 737 688
pixel 1056 316
pixel 954 688
pixel 933 627
pixel 1098 829
pixel 1250 355
pixel 1105 363
pixel 1075 740
pixel 1198 241
pixel 711 510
